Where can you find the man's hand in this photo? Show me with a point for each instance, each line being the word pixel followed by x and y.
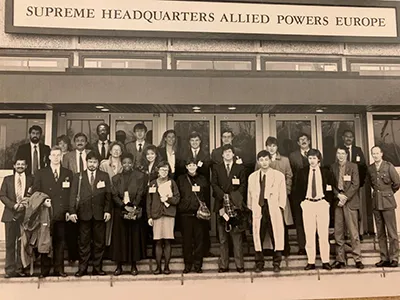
pixel 66 217
pixel 73 218
pixel 47 202
pixel 107 217
pixel 18 207
pixel 150 221
pixel 342 200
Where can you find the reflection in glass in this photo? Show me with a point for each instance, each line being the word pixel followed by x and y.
pixel 287 133
pixel 127 127
pixel 387 136
pixel 13 133
pixel 332 132
pixel 184 128
pixel 88 127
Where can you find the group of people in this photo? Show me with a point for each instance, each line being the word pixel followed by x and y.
pixel 113 196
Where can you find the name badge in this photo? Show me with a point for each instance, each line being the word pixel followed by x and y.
pixel 200 164
pixel 223 214
pixel 235 181
pixel 101 184
pixel 358 158
pixel 65 185
pixel 239 161
pixel 152 190
pixel 195 188
pixel 347 178
pixel 328 188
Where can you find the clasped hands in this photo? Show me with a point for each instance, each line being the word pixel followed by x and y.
pixel 342 200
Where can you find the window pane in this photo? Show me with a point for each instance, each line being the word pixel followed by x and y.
pixel 387 136
pixel 332 132
pixel 184 128
pixel 376 69
pixel 33 64
pixel 127 127
pixel 300 66
pixel 213 65
pixel 123 63
pixel 287 133
pixel 14 132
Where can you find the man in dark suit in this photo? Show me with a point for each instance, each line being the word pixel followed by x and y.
pixel 298 160
pixel 90 202
pixel 227 137
pixel 55 181
pixel 13 189
pixel 229 188
pixel 314 192
pixel 356 155
pixel 102 146
pixel 346 205
pixel 35 154
pixel 136 147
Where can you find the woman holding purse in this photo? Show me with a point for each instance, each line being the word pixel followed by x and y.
pixel 129 233
pixel 162 199
pixel 194 213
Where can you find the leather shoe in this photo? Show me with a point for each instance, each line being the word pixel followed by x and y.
pixel 8 276
pixel 259 269
pixel 222 270
pixel 80 273
pixel 60 274
pixel 167 271
pixel 302 252
pixel 157 271
pixel 187 269
pixel 240 270
pixel 277 269
pixel 359 265
pixel 118 271
pixel 198 270
pixel 338 265
pixel 326 266
pixel 309 267
pixel 134 271
pixel 393 264
pixel 98 273
pixel 382 263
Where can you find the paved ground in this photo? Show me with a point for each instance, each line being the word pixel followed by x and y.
pixel 275 288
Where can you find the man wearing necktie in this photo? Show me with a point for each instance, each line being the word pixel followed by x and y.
pixel 35 153
pixel 102 146
pixel 314 193
pixel 356 155
pixel 13 189
pixel 55 181
pixel 267 199
pixel 136 147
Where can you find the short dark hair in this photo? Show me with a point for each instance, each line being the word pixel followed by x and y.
pixel 64 138
pixel 194 134
pixel 348 130
pixel 227 131
pixel 314 152
pixel 263 153
pixel 103 124
pixel 80 134
pixel 163 164
pixel 303 134
pixel 139 126
pixel 340 147
pixel 127 155
pixel 190 160
pixel 37 128
pixel 92 155
pixel 19 158
pixel 227 147
pixel 271 140
pixel 377 146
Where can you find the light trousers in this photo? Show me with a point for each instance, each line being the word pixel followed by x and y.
pixel 316 220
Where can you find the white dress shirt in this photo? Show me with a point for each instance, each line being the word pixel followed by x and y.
pixel 38 152
pixel 195 152
pixel 318 181
pixel 151 166
pixel 171 160
pixel 83 159
pixel 137 145
pixel 23 183
pixel 349 147
pixel 100 144
pixel 90 174
pixel 54 168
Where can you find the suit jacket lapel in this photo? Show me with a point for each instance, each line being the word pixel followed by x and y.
pixel 336 171
pixel 12 186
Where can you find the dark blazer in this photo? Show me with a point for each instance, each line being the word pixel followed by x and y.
pixel 202 156
pixel 179 164
pixel 136 189
pixel 155 208
pixel 24 151
pixel 296 163
pixel 361 164
pixel 93 203
pixel 131 148
pixel 9 198
pixel 189 203
pixel 302 183
pixel 44 182
pixel 216 155
pixel 222 184
pixel 94 147
pixel 350 188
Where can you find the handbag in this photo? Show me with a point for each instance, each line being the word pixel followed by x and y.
pixel 132 213
pixel 203 213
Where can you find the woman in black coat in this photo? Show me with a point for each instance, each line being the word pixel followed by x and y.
pixel 128 244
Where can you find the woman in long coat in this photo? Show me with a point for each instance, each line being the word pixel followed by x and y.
pixel 128 243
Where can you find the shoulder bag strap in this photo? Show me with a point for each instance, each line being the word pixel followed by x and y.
pixel 195 193
pixel 78 196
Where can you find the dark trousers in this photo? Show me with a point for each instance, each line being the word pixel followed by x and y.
pixel 72 232
pixel 286 251
pixel 91 232
pixel 13 247
pixel 298 221
pixel 266 227
pixel 193 240
pixel 237 240
pixel 386 220
pixel 58 241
